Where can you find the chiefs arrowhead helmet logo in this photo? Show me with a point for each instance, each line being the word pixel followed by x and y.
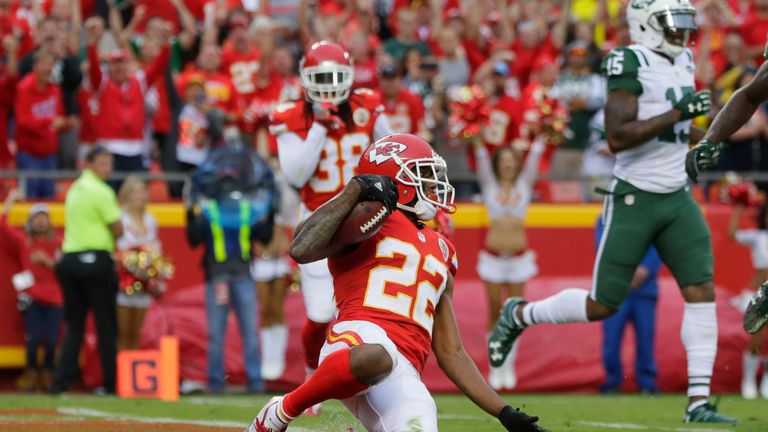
pixel 383 151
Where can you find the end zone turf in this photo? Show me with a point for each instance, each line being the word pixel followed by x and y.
pixel 573 413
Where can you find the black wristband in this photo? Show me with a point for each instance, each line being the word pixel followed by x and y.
pixel 505 413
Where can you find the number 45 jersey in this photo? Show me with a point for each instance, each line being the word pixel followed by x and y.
pixel 659 164
pixel 394 280
pixel 342 148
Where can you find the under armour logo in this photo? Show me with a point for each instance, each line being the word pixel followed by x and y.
pixel 379 186
pixel 496 355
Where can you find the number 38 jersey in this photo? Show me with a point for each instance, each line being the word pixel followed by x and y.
pixel 395 280
pixel 659 164
pixel 341 148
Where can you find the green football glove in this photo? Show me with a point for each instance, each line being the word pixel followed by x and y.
pixel 694 104
pixel 702 155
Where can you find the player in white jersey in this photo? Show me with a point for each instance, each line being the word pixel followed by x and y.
pixel 651 101
pixel 739 109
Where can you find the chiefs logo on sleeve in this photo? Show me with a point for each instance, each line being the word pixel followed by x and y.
pixel 384 151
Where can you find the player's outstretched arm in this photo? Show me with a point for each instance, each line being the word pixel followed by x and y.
pixel 312 240
pixel 459 367
pixel 740 107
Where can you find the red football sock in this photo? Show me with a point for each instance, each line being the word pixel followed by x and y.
pixel 313 336
pixel 332 380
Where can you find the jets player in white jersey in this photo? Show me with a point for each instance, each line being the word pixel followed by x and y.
pixel 651 101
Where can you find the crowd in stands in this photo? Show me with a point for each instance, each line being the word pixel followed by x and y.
pixel 160 82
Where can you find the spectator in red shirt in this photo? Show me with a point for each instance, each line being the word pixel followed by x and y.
pixel 39 119
pixel 8 79
pixel 365 65
pixel 163 9
pixel 266 97
pixel 754 30
pixel 121 94
pixel 51 35
pixel 239 57
pixel 283 64
pixel 39 293
pixel 504 113
pixel 10 25
pixel 464 19
pixel 533 42
pixel 219 90
pixel 404 109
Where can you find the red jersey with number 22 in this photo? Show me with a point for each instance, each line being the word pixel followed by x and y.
pixel 342 149
pixel 395 280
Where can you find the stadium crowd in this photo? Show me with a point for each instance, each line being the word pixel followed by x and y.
pixel 158 83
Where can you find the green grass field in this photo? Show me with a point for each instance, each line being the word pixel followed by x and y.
pixel 574 413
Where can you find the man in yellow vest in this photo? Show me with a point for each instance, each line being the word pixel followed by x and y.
pixel 234 202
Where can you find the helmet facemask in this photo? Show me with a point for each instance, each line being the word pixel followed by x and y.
pixel 676 28
pixel 428 178
pixel 328 82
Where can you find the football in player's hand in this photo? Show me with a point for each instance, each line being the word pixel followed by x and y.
pixel 365 219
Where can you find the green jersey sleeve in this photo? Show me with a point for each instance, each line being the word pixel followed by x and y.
pixel 621 67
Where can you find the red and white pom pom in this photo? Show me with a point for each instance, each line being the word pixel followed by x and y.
pixel 737 191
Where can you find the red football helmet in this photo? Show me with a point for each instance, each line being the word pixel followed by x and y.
pixel 420 173
pixel 326 73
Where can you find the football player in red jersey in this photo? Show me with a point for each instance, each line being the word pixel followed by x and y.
pixel 393 291
pixel 319 142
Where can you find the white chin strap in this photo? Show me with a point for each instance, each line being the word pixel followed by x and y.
pixel 425 211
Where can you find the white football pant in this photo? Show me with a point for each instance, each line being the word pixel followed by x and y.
pixel 400 402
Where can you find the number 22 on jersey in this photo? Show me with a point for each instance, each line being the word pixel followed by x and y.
pixel 386 283
pixel 338 162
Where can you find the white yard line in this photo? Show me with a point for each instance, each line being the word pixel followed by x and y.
pixel 240 403
pixel 614 425
pixel 634 426
pixel 87 412
pixel 464 417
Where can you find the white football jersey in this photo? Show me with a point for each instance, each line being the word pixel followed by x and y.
pixel 658 165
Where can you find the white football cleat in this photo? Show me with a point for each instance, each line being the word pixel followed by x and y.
pixel 270 418
pixel 764 385
pixel 509 380
pixel 749 389
pixel 496 377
